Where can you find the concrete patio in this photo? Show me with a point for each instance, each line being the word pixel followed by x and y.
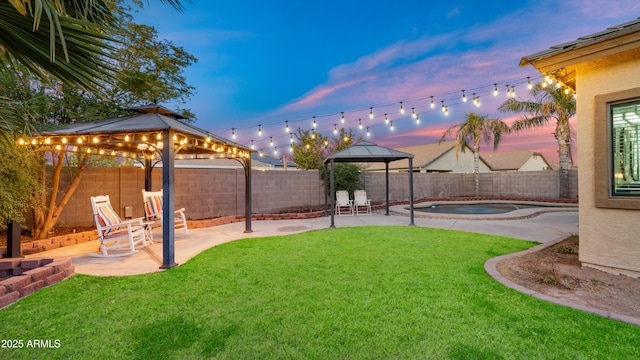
pixel 545 227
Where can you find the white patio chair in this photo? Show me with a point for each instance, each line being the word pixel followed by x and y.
pixel 360 200
pixel 343 201
pixel 153 210
pixel 114 233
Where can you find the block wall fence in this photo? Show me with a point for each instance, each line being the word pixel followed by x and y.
pixel 210 193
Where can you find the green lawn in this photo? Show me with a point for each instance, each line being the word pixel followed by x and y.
pixel 362 292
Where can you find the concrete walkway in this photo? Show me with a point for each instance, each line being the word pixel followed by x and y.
pixel 542 228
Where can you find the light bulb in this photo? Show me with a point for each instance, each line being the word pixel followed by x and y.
pixel 464 97
pixel 271 140
pixel 335 129
pixel 286 126
pixel 291 138
pixel 417 119
pixel 446 110
pixel 529 86
pixel 253 146
pixel 495 89
pixel 413 113
pixel 401 108
pixel 64 140
pixel 433 104
pixel 386 118
pixel 342 118
pixel 391 126
pixel 360 123
pixel 371 113
pixel 368 133
pixel 259 130
pixel 127 138
pixel 314 122
pixel 233 133
pixel 313 134
pixel 442 105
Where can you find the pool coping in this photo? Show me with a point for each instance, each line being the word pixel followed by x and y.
pixel 544 207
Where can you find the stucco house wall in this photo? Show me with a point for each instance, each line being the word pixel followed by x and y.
pixel 609 238
pixel 534 163
pixel 449 163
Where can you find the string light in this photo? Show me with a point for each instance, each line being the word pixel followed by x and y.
pixel 371 112
pixel 413 113
pixel 335 129
pixel 529 86
pixel 290 148
pixel 64 140
pixel 391 126
pixel 286 126
pixel 127 138
pixel 442 105
pixel 368 133
pixel 271 140
pixel 386 118
pixel 401 109
pixel 314 122
pixel 259 130
pixel 253 146
pixel 433 104
pixel 313 134
pixel 291 138
pixel 342 118
pixel 261 153
pixel 275 150
pixel 417 118
pixel 464 97
pixel 233 133
pixel 513 91
pixel 360 123
pixel 446 110
pixel 495 89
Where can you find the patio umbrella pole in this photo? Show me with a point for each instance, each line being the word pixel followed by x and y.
pixel 411 191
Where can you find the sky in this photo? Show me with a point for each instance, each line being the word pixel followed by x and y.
pixel 271 62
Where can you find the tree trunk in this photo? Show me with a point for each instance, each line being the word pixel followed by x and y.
pixel 476 168
pixel 563 136
pixel 50 214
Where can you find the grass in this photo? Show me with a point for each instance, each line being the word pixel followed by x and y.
pixel 362 292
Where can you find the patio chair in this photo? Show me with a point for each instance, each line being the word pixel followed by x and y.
pixel 153 211
pixel 360 200
pixel 343 201
pixel 114 233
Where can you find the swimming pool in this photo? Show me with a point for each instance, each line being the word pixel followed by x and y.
pixel 478 208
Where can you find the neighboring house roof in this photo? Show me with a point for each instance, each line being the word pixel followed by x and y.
pixel 627 36
pixel 215 164
pixel 424 155
pixel 267 159
pixel 509 160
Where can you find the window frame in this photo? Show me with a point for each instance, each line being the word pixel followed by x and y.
pixel 603 160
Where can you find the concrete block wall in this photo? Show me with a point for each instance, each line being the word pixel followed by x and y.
pixel 211 193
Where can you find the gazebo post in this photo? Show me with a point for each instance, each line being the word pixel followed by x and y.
pixel 333 225
pixel 386 174
pixel 247 195
pixel 168 230
pixel 411 191
pixel 147 173
pixel 326 202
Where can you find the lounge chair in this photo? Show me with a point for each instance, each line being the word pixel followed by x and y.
pixel 342 202
pixel 153 210
pixel 360 200
pixel 114 233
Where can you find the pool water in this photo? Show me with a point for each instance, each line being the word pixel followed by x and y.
pixel 485 208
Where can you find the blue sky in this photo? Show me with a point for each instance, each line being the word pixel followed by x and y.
pixel 267 62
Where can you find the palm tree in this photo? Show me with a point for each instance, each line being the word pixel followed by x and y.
pixel 549 103
pixel 475 129
pixel 34 33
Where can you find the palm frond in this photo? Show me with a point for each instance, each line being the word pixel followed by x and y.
pixel 85 42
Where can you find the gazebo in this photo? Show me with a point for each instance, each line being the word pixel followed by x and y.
pixel 153 134
pixel 365 151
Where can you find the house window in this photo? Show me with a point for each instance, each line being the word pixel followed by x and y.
pixel 625 126
pixel 617 149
